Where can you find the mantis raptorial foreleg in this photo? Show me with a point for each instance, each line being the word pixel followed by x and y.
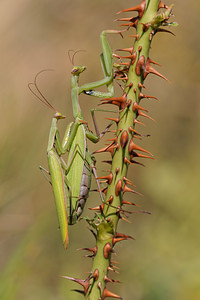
pixel 106 59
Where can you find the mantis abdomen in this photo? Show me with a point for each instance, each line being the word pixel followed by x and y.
pixel 83 194
pixel 78 175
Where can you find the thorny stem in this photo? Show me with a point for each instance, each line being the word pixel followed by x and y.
pixel 124 148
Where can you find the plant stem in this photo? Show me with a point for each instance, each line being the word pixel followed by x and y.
pixel 123 148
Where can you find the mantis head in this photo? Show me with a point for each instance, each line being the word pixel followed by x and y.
pixel 76 71
pixel 59 116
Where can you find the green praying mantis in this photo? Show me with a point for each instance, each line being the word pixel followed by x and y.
pixel 71 180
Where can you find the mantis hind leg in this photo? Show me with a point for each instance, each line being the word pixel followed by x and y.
pixel 45 172
pixel 100 135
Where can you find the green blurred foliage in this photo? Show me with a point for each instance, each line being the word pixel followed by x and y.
pixel 164 261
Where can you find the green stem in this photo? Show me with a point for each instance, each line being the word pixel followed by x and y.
pixel 107 234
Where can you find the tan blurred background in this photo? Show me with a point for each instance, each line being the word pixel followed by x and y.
pixel 164 261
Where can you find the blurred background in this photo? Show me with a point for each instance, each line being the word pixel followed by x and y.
pixel 164 261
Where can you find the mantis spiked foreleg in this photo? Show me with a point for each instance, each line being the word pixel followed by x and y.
pixel 106 58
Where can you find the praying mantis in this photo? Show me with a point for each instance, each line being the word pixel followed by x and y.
pixel 71 180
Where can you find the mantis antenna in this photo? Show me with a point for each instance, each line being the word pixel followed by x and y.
pixel 71 58
pixel 41 97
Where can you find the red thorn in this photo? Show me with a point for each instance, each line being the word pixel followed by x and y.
pixel 136 137
pixel 122 78
pixel 124 139
pixel 137 122
pixel 119 101
pixel 114 262
pixel 127 161
pixel 145 26
pixel 139 8
pixel 140 66
pixel 162 5
pixel 133 130
pixel 107 250
pixel 137 107
pixel 137 163
pixel 139 48
pixel 111 269
pixel 128 203
pixel 150 69
pixel 127 189
pixel 98 208
pixel 96 274
pixel 144 115
pixel 128 103
pixel 133 146
pixel 110 148
pixel 124 219
pixel 85 283
pixel 108 178
pixel 146 96
pixel 118 187
pixel 107 293
pixel 128 181
pixel 132 20
pixel 132 57
pixel 120 217
pixel 106 279
pixel 110 200
pixel 130 25
pixel 140 85
pixel 130 50
pixel 119 235
pixel 135 36
pixel 114 267
pixel 93 250
pixel 99 286
pixel 119 239
pixel 116 56
pixel 153 62
pixel 116 120
pixel 165 30
pixel 127 64
pixel 135 154
pixel 104 190
pixel 113 140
